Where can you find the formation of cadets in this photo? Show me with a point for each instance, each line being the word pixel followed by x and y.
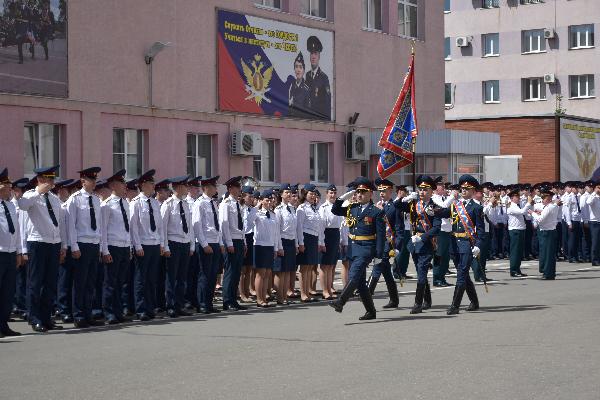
pixel 89 251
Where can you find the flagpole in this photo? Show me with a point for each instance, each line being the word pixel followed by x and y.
pixel 414 139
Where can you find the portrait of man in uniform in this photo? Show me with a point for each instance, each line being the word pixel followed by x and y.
pixel 318 82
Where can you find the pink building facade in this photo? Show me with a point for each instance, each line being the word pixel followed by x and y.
pixel 106 119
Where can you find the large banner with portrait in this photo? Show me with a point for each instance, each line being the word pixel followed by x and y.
pixel 579 150
pixel 33 47
pixel 274 68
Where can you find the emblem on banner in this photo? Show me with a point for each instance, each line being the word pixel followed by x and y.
pixel 257 82
pixel 586 159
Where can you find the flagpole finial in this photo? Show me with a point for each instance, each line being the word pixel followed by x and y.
pixel 412 46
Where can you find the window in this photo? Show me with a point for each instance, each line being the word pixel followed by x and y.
pixel 490 3
pixel 319 162
pixel 447 49
pixel 364 169
pixel 407 18
pixel 533 41
pixel 448 94
pixel 199 155
pixel 372 14
pixel 581 86
pixel 264 165
pixel 468 164
pixel 447 6
pixel 270 3
pixel 128 153
pixel 491 44
pixel 42 144
pixel 581 36
pixel 314 8
pixel 533 89
pixel 491 91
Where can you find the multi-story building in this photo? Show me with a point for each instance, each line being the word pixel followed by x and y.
pixel 189 86
pixel 512 65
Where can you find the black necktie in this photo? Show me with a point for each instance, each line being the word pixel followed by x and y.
pixel 215 219
pixel 288 208
pixel 314 208
pixel 239 214
pixel 152 222
pixel 11 226
pixel 50 210
pixel 92 214
pixel 125 221
pixel 577 201
pixel 183 220
pixel 268 214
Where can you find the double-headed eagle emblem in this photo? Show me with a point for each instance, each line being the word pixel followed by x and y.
pixel 257 82
pixel 586 159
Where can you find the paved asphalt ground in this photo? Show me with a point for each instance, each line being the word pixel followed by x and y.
pixel 532 339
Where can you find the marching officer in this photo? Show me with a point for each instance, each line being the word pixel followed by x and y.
pixel 147 240
pixel 318 82
pixel 366 242
pixel 84 233
pixel 179 245
pixel 10 253
pixel 234 239
pixel 115 247
pixel 205 220
pixel 46 246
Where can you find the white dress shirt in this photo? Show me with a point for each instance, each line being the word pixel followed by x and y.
pixel 41 227
pixel 309 221
pixel 248 215
pixel 79 228
pixel 546 221
pixel 266 229
pixel 9 242
pixel 593 203
pixel 23 222
pixel 141 231
pixel 114 232
pixel 203 220
pixel 444 202
pixel 286 217
pixel 585 209
pixel 515 216
pixel 228 219
pixel 173 222
pixel 329 219
pixel 574 208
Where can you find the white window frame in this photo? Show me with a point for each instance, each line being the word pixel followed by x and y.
pixel 368 19
pixel 494 44
pixel 38 159
pixel 196 156
pixel 533 84
pixel 407 5
pixel 313 152
pixel 265 4
pixel 310 9
pixel 588 34
pixel 488 4
pixel 263 161
pixel 485 87
pixel 126 152
pixel 446 86
pixel 589 91
pixel 528 37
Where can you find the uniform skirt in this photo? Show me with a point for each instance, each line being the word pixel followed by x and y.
pixel 287 263
pixel 311 250
pixel 249 258
pixel 332 246
pixel 263 257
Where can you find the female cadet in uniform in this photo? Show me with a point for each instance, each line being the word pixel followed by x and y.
pixel 248 210
pixel 286 217
pixel 332 224
pixel 298 98
pixel 310 239
pixel 267 245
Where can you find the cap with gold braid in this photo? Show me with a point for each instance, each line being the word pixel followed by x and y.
pixel 364 184
pixel 383 184
pixel 468 182
pixel 47 172
pixel 425 182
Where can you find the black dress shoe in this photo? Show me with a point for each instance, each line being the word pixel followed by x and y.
pixel 203 310
pixel 473 307
pixel 144 317
pixel 94 322
pixel 514 275
pixel 112 321
pixel 214 310
pixel 184 313
pixel 67 319
pixel 426 305
pixel 54 327
pixel 122 319
pixel 172 313
pixel 452 310
pixel 368 316
pixel 39 328
pixel 438 284
pixel 10 332
pixel 595 264
pixel 391 304
pixel 81 324
pixel 522 274
pixel 127 312
pixel 546 278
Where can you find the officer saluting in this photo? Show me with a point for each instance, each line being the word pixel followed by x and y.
pixel 366 242
pixel 44 239
pixel 318 82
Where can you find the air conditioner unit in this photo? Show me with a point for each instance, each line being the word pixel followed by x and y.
pixel 549 78
pixel 463 41
pixel 245 144
pixel 549 33
pixel 358 146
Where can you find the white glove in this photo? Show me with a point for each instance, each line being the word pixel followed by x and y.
pixel 429 211
pixel 476 251
pixel 416 239
pixel 410 197
pixel 376 261
pixel 347 195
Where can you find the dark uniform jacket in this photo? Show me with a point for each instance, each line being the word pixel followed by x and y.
pixel 475 211
pixel 299 100
pixel 368 223
pixel 320 94
pixel 427 236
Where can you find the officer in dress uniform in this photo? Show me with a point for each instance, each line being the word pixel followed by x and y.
pixel 332 224
pixel 391 209
pixel 544 218
pixel 516 231
pixel 366 242
pixel 299 97
pixel 248 211
pixel 115 247
pixel 127 293
pixel 10 253
pixel 46 246
pixel 147 239
pixel 425 227
pixel 318 82
pixel 20 302
pixel 179 244
pixel 207 230
pixel 162 193
pixel 285 213
pixel 191 287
